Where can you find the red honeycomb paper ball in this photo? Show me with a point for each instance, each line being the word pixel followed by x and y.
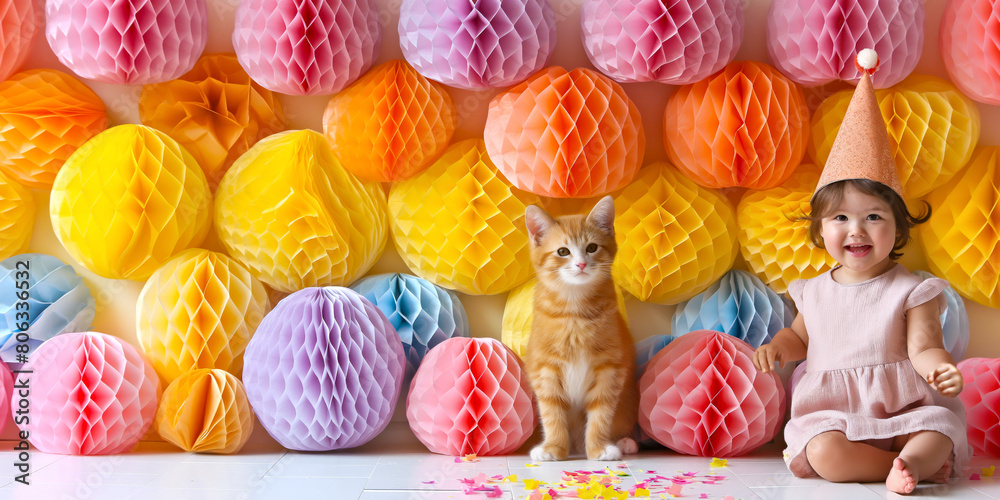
pixel 701 395
pixel 981 397
pixel 471 395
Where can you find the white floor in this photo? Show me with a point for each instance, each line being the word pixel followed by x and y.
pixel 396 466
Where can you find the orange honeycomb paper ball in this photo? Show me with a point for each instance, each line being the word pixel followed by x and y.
pixel 198 311
pixel 566 134
pixel 391 123
pixel 675 238
pixel 205 411
pixel 17 217
pixel 290 213
pixel 45 115
pixel 746 126
pixel 962 239
pixel 129 200
pixel 460 224
pixel 774 245
pixel 933 130
pixel 215 111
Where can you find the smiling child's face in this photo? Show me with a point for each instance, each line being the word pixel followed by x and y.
pixel 860 233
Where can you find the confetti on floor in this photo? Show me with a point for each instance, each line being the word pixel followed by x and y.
pixel 596 484
pixel 718 463
pixel 988 471
pixel 468 458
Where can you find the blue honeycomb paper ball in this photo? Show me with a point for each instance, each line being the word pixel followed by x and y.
pixel 954 321
pixel 646 348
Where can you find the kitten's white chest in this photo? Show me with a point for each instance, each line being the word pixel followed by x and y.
pixel 577 378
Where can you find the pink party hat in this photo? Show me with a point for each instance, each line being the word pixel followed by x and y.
pixel 862 149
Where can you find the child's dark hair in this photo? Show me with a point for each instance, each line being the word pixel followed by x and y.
pixel 830 196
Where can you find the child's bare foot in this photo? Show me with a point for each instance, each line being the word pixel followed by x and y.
pixel 942 475
pixel 902 479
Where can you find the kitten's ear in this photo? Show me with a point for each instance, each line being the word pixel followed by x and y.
pixel 538 223
pixel 603 214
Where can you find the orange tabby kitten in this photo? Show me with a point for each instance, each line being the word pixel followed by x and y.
pixel 580 356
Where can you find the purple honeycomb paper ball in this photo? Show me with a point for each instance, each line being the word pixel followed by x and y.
pixel 127 42
pixel 816 42
pixel 477 45
pixel 306 47
pixel 676 43
pixel 324 370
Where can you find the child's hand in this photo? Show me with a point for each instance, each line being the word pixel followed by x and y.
pixel 946 379
pixel 767 357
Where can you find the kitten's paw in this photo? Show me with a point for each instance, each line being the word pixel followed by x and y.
pixel 610 452
pixel 628 446
pixel 541 454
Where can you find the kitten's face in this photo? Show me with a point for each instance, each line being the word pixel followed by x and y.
pixel 573 250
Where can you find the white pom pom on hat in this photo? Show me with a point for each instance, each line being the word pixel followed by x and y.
pixel 867 59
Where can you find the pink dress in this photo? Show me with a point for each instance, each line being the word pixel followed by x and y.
pixel 859 379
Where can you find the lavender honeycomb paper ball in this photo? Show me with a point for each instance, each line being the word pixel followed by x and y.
pixel 676 43
pixel 422 313
pixel 306 47
pixel 477 45
pixel 954 321
pixel 739 304
pixel 127 42
pixel 324 370
pixel 814 42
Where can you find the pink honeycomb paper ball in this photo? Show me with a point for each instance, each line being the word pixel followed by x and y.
pixel 816 42
pixel 127 42
pixel 6 394
pixel 968 38
pixel 471 395
pixel 981 398
pixel 676 43
pixel 90 394
pixel 701 395
pixel 19 22
pixel 306 47
pixel 477 45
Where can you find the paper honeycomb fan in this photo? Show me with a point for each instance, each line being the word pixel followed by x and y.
pixel 127 42
pixel 515 327
pixel 471 396
pixel 932 127
pixel 58 302
pixel 675 43
pixel 422 313
pixel 308 47
pixel 129 200
pixel 460 224
pixel 480 45
pixel 290 213
pixel 323 372
pixel 739 304
pixel 954 321
pixel 17 216
pixel 91 394
pixel 45 115
pixel 746 126
pixel 198 311
pixel 966 39
pixel 981 398
pixel 962 239
pixel 816 42
pixel 675 238
pixel 19 22
pixel 701 395
pixel 215 111
pixel 566 134
pixel 646 348
pixel 205 411
pixel 390 124
pixel 774 244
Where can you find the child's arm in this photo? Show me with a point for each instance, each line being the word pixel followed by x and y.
pixel 925 347
pixel 787 346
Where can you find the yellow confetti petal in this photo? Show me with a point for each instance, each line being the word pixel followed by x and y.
pixel 641 492
pixel 531 484
pixel 717 463
pixel 988 471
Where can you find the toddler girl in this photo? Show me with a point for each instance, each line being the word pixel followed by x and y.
pixel 877 401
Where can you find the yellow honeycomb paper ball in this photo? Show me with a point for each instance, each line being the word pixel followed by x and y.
pixel 199 311
pixel 460 223
pixel 205 411
pixel 933 129
pixel 17 217
pixel 675 238
pixel 128 200
pixel 962 239
pixel 291 214
pixel 774 244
